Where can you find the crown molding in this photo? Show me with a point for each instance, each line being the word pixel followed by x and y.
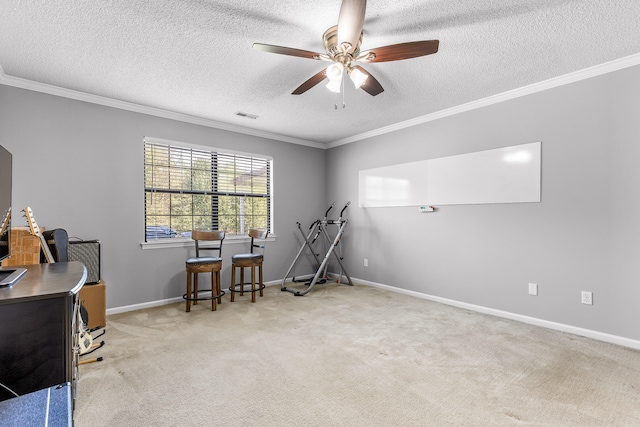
pixel 597 70
pixel 143 109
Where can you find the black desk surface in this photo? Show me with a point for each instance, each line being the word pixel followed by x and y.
pixel 46 281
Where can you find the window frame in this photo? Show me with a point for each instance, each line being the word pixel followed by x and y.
pixel 187 241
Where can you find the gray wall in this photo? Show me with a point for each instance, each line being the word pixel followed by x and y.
pixel 584 235
pixel 80 167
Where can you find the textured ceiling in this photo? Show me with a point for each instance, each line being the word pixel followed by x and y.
pixel 195 57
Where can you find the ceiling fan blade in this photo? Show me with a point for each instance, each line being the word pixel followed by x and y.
pixel 314 80
pixel 350 22
pixel 400 51
pixel 286 51
pixel 371 85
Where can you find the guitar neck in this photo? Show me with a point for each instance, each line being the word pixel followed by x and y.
pixel 45 248
pixel 35 230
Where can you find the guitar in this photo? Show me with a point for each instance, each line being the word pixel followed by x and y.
pixel 5 222
pixel 35 230
pixel 84 340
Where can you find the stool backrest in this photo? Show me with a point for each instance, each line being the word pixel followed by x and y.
pixel 257 235
pixel 208 236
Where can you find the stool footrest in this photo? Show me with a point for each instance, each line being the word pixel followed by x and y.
pixel 184 296
pixel 258 287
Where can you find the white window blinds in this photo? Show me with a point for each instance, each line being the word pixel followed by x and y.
pixel 194 189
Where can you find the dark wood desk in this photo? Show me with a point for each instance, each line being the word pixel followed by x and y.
pixel 38 326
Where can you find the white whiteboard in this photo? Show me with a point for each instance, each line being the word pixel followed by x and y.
pixel 502 175
pixel 398 185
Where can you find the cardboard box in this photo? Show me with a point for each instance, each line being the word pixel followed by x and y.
pixel 25 248
pixel 93 298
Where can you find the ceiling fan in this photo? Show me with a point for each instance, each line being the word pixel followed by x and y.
pixel 342 44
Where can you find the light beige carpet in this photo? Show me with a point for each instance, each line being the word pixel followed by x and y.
pixel 350 356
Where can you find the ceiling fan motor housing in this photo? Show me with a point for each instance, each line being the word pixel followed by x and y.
pixel 330 40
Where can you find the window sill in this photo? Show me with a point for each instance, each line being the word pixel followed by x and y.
pixel 188 242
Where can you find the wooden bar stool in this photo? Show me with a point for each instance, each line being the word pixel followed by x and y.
pixel 205 264
pixel 250 260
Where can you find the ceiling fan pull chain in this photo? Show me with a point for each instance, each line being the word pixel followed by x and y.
pixel 343 103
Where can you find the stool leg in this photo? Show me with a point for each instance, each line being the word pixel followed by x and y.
pixel 233 282
pixel 241 281
pixel 253 283
pixel 218 288
pixel 188 291
pixel 213 289
pixel 260 283
pixel 195 288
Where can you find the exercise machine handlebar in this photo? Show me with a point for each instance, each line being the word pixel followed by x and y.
pixel 326 214
pixel 343 209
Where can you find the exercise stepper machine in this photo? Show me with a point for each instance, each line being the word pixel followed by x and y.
pixel 317 231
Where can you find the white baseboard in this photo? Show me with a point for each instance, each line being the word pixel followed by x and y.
pixel 158 303
pixel 150 304
pixel 600 336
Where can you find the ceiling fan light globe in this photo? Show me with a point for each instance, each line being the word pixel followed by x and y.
pixel 357 77
pixel 334 85
pixel 334 71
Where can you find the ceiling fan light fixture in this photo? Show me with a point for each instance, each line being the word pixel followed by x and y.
pixel 357 77
pixel 334 71
pixel 334 85
pixel 342 44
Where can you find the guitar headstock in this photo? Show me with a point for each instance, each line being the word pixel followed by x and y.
pixel 35 230
pixel 33 225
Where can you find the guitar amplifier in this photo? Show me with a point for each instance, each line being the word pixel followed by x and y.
pixel 88 253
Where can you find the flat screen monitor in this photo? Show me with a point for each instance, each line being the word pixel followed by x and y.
pixel 8 276
pixel 5 201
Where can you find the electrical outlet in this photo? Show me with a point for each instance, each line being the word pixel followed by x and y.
pixel 587 297
pixel 533 289
pixel 366 262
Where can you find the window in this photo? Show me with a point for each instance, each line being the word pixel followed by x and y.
pixel 189 188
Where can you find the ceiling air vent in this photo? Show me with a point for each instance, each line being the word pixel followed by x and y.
pixel 246 115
